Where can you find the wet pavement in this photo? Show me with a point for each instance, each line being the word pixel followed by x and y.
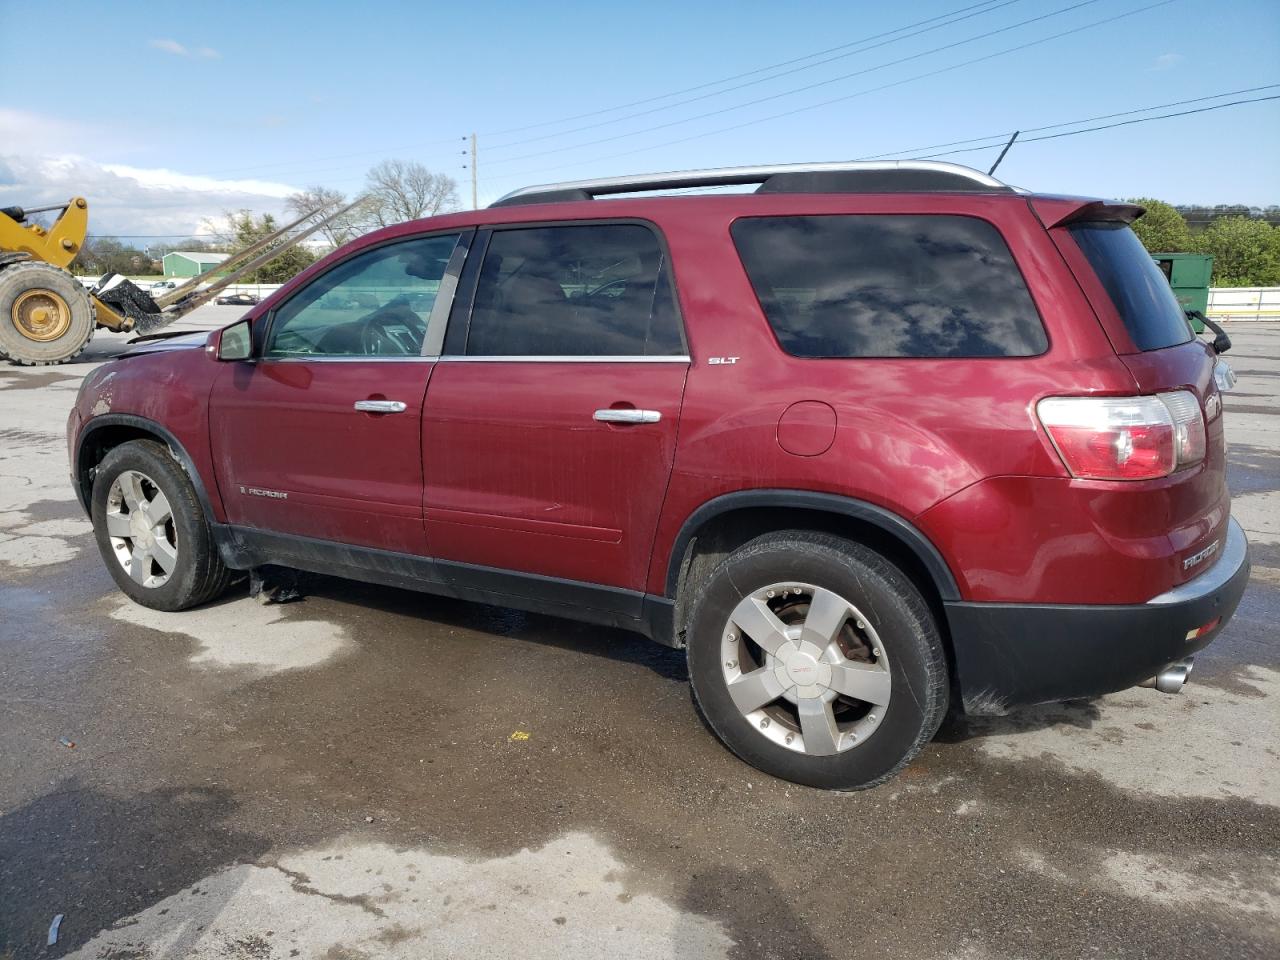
pixel 377 773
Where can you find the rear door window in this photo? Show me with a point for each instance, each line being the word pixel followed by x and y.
pixel 1136 285
pixel 889 286
pixel 574 290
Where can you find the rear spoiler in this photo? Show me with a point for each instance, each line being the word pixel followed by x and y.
pixel 1060 211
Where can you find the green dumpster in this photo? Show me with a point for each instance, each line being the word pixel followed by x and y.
pixel 1189 275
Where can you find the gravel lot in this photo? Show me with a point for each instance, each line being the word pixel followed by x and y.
pixel 376 773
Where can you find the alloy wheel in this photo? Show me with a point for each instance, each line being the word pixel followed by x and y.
pixel 141 529
pixel 806 669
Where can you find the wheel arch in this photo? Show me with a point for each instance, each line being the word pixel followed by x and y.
pixel 723 524
pixel 107 431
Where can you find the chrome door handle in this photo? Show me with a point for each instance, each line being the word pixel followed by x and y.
pixel 627 415
pixel 380 406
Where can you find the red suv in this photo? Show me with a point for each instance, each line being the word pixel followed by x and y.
pixel 870 441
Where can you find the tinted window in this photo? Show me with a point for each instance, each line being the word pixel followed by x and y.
pixel 889 286
pixel 375 304
pixel 593 290
pixel 1136 285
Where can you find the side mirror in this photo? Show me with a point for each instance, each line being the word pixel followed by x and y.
pixel 235 342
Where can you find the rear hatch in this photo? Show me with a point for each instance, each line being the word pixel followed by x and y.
pixel 1154 339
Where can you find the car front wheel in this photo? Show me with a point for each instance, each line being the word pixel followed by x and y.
pixel 152 531
pixel 817 660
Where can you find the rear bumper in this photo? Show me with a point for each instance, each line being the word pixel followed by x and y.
pixel 1015 654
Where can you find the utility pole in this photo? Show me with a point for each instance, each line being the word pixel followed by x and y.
pixel 474 203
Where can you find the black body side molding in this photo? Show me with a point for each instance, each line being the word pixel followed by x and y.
pixel 243 548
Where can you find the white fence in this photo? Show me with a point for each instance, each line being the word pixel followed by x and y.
pixel 1244 303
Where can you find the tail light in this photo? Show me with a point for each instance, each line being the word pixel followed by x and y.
pixel 1125 438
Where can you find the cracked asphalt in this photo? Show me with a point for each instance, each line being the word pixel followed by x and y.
pixel 376 773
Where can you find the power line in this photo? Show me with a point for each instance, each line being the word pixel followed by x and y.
pixel 987 4
pixel 148 236
pixel 729 79
pixel 768 79
pixel 821 83
pixel 338 156
pixel 999 137
pixel 462 139
pixel 1108 126
pixel 825 103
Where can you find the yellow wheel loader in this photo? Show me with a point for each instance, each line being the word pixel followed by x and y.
pixel 48 316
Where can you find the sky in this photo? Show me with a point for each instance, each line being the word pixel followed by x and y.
pixel 164 114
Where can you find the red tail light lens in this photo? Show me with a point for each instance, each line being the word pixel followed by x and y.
pixel 1125 438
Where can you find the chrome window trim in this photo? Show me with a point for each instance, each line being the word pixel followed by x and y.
pixel 617 358
pixel 323 358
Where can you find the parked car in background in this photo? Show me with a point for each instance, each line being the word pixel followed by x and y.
pixel 875 441
pixel 163 286
pixel 237 300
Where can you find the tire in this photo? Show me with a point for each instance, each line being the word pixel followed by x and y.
pixel 22 281
pixel 851 622
pixel 172 536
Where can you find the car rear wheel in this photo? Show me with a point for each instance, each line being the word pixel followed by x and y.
pixel 817 660
pixel 152 531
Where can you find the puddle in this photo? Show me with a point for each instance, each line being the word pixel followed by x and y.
pixel 355 899
pixel 1192 885
pixel 1205 742
pixel 244 634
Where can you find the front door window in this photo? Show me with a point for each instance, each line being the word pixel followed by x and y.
pixel 375 305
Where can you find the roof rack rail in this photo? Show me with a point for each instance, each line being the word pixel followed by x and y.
pixel 853 176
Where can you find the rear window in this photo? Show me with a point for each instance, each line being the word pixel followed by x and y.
pixel 889 286
pixel 1135 284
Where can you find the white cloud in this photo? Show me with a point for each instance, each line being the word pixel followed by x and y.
pixel 178 50
pixel 1166 61
pixel 132 200
pixel 123 199
pixel 171 46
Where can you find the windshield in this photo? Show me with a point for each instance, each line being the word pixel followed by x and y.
pixel 1136 285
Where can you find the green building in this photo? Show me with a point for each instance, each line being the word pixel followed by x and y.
pixel 181 264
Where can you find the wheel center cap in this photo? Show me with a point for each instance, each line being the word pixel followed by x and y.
pixel 803 670
pixel 138 527
pixel 800 670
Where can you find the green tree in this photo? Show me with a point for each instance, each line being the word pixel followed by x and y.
pixel 101 255
pixel 1246 253
pixel 1162 229
pixel 240 228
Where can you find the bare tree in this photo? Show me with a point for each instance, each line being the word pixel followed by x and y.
pixel 400 190
pixel 336 232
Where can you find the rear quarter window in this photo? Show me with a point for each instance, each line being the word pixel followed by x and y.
pixel 889 286
pixel 1135 283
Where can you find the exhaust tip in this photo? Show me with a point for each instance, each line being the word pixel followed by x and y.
pixel 1172 678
